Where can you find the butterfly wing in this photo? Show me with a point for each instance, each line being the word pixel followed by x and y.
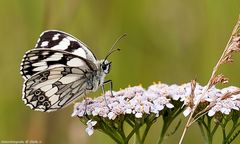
pixel 40 59
pixel 58 40
pixel 55 88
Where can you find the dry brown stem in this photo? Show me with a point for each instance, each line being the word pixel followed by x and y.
pixel 233 45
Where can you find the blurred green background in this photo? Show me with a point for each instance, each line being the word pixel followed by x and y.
pixel 168 40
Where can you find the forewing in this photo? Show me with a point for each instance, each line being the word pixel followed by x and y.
pixel 54 88
pixel 58 40
pixel 41 59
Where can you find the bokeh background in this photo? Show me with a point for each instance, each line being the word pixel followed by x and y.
pixel 168 40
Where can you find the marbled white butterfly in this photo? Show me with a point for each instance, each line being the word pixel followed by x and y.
pixel 60 69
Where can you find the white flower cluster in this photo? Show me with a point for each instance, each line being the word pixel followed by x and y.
pixel 138 101
pixel 225 105
pixel 133 100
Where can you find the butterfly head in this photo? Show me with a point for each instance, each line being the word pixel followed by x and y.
pixel 105 66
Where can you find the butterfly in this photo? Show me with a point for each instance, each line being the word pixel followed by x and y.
pixel 59 70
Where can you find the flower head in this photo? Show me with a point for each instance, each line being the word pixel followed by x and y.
pixel 133 100
pixel 138 101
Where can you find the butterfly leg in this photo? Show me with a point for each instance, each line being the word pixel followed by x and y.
pixel 103 90
pixel 111 85
pixel 85 103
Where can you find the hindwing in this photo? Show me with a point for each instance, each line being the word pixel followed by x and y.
pixel 55 88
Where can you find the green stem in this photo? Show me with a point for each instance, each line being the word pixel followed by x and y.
pixel 224 130
pixel 111 132
pixel 202 131
pixel 121 132
pixel 231 131
pixel 224 135
pixel 208 131
pixel 167 120
pixel 112 136
pixel 138 138
pixel 130 134
pixel 146 132
pixel 214 129
pixel 135 128
pixel 210 136
pixel 166 124
pixel 129 122
pixel 138 123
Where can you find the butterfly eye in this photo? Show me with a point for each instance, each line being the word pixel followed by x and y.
pixel 106 67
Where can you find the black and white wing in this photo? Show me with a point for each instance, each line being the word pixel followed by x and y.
pixel 55 88
pixel 58 40
pixel 53 49
pixel 41 59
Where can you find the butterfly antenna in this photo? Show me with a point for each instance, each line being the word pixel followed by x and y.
pixel 112 50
